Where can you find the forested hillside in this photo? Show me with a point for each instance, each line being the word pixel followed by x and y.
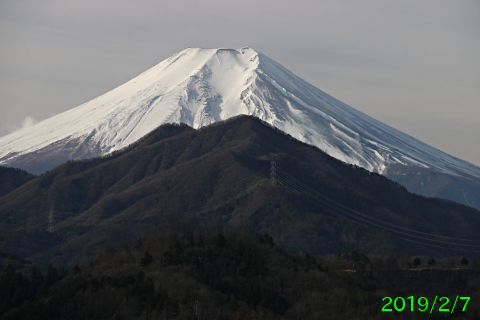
pixel 12 178
pixel 223 173
pixel 224 273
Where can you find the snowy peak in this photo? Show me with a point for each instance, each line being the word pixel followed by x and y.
pixel 201 86
pixel 192 86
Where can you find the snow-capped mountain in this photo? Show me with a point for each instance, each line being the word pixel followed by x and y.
pixel 202 86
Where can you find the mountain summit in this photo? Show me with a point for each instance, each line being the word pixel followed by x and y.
pixel 202 86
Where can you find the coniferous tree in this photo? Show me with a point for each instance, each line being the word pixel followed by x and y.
pixel 146 259
pixel 417 262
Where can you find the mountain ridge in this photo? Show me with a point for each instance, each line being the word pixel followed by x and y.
pixel 217 173
pixel 200 86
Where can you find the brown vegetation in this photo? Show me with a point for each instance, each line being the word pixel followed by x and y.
pixel 230 274
pixel 180 174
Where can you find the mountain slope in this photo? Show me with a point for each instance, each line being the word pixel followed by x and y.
pixel 222 173
pixel 202 86
pixel 12 178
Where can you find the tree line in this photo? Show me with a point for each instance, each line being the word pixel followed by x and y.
pixel 219 273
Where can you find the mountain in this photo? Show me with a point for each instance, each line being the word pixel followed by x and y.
pixel 202 86
pixel 12 178
pixel 222 173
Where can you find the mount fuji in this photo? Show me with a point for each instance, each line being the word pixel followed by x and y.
pixel 202 86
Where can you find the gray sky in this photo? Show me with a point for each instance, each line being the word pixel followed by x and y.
pixel 412 64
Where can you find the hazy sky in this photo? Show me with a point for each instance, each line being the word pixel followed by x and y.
pixel 412 64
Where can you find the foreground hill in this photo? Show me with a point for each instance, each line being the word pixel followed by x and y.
pixel 234 274
pixel 222 173
pixel 199 87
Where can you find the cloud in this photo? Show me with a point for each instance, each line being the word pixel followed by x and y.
pixel 28 122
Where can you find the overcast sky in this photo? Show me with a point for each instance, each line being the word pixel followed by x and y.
pixel 412 64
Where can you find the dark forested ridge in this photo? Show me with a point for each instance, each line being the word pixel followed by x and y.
pixel 229 273
pixel 12 178
pixel 222 173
